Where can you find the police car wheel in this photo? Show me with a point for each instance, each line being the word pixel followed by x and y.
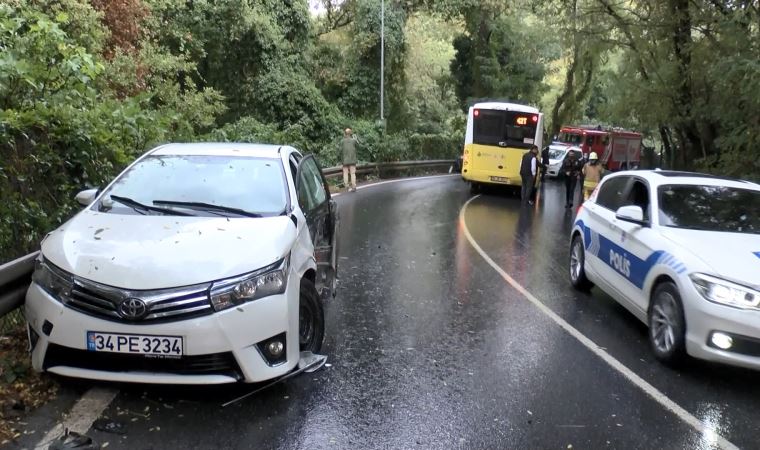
pixel 667 326
pixel 577 263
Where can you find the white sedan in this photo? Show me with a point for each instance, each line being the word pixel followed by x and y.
pixel 557 154
pixel 200 263
pixel 681 251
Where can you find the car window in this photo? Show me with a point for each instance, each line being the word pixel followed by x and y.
pixel 709 208
pixel 255 185
pixel 611 192
pixel 639 196
pixel 311 189
pixel 293 164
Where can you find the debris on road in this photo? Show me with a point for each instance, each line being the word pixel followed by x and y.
pixel 109 426
pixel 308 363
pixel 73 440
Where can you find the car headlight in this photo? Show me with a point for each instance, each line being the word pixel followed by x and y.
pixel 52 280
pixel 725 292
pixel 270 280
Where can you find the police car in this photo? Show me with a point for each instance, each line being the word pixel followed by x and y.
pixel 681 251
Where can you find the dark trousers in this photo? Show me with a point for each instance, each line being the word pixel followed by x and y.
pixel 527 188
pixel 570 183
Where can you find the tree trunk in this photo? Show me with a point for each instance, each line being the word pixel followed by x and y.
pixel 682 46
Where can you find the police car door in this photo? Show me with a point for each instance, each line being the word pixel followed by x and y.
pixel 604 254
pixel 636 241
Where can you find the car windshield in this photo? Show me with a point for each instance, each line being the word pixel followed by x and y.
pixel 556 153
pixel 254 185
pixel 710 208
pixel 570 138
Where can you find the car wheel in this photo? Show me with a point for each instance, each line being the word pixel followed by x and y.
pixel 577 265
pixel 667 326
pixel 311 318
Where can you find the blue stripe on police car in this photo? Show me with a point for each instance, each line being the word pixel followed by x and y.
pixel 630 266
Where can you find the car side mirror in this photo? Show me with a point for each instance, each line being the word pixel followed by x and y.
pixel 85 198
pixel 632 214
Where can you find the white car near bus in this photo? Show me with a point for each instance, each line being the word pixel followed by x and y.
pixel 557 155
pixel 681 251
pixel 199 264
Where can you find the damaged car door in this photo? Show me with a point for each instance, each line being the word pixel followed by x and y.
pixel 322 219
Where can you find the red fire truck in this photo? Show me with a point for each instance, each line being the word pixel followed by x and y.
pixel 618 149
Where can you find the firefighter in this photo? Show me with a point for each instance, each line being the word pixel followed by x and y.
pixel 592 173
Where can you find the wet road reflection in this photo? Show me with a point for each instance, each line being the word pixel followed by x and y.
pixel 430 348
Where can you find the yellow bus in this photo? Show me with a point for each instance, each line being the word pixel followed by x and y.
pixel 498 135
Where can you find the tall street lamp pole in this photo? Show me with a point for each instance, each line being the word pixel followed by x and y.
pixel 382 61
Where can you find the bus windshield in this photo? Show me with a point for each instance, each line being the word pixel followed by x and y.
pixel 504 128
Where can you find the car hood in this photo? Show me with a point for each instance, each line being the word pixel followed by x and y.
pixel 554 161
pixel 733 256
pixel 154 252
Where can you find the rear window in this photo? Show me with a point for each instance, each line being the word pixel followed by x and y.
pixel 505 128
pixel 710 208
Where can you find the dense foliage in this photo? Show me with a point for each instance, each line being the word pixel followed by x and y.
pixel 87 85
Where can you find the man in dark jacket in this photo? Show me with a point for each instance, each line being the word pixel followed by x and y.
pixel 528 170
pixel 572 168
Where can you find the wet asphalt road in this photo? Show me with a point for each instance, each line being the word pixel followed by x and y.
pixel 431 348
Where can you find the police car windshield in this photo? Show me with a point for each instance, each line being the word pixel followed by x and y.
pixel 710 208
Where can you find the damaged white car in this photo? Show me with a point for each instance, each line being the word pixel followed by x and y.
pixel 199 264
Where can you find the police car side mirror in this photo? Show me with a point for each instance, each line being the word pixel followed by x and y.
pixel 632 214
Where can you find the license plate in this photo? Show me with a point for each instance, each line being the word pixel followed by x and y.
pixel 500 179
pixel 137 344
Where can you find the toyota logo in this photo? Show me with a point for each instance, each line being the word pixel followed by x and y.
pixel 132 308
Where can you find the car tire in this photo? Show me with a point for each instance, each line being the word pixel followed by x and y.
pixel 311 318
pixel 577 265
pixel 667 325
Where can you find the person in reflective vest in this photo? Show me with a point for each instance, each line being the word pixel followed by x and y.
pixel 592 173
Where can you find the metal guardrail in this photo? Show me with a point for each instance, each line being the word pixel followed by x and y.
pixel 333 172
pixel 16 275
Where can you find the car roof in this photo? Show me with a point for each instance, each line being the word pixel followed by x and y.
pixel 660 177
pixel 557 146
pixel 220 149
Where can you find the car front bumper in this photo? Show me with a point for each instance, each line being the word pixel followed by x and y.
pixel 218 348
pixel 703 318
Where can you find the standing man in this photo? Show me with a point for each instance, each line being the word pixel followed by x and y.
pixel 572 168
pixel 348 146
pixel 592 173
pixel 528 168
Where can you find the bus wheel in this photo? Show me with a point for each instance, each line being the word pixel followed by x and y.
pixel 474 187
